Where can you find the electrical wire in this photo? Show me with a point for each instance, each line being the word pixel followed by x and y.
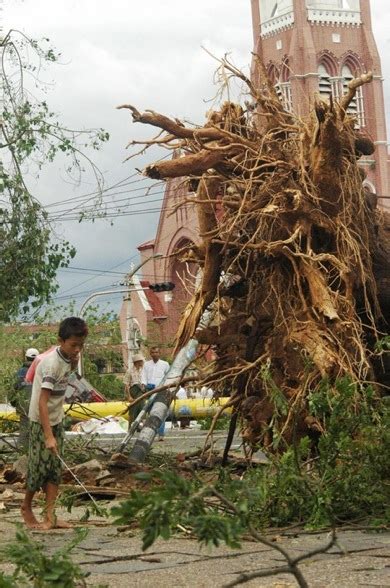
pixel 98 275
pixel 121 183
pixel 96 211
pixel 148 193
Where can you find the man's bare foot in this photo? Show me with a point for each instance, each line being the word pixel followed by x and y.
pixel 29 518
pixel 61 524
pixel 46 525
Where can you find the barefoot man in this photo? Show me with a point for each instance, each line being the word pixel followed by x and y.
pixel 46 416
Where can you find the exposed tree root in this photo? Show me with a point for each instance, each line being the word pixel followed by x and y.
pixel 293 253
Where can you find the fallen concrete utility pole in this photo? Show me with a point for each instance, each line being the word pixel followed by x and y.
pixel 160 405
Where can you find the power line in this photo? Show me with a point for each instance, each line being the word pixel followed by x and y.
pixel 88 269
pixel 138 212
pixel 101 272
pixel 166 238
pixel 135 213
pixel 107 196
pixel 58 216
pixel 86 292
pixel 98 275
pixel 121 183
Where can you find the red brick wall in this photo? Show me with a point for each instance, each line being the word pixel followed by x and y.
pixel 176 227
pixel 303 44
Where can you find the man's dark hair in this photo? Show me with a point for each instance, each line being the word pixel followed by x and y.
pixel 72 326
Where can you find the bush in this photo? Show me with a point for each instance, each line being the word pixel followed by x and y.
pixel 344 477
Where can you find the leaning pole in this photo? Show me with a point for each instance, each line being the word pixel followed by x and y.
pixel 159 411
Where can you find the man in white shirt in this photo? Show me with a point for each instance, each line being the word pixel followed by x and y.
pixel 156 368
pixel 154 371
pixel 206 392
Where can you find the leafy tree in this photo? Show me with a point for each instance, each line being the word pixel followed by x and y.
pixel 104 335
pixel 343 477
pixel 30 137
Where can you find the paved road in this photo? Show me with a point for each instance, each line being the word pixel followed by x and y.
pixel 116 560
pixel 175 440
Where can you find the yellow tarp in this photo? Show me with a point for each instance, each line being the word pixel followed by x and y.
pixel 194 408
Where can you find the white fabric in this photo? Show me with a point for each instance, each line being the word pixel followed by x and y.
pixel 109 426
pixel 206 392
pixel 181 394
pixel 52 374
pixel 155 371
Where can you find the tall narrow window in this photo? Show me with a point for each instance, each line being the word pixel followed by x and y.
pixel 325 84
pixel 282 86
pixel 274 11
pixel 356 107
pixel 283 90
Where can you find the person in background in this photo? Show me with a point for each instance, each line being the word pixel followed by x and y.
pixel 20 397
pixel 29 377
pixel 135 384
pixel 206 392
pixel 30 355
pixel 154 371
pixel 185 421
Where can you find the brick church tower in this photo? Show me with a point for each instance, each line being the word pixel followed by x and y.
pixel 313 46
pixel 307 46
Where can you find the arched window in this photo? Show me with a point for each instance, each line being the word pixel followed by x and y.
pixel 356 107
pixel 283 87
pixel 325 85
pixel 328 82
pixel 273 74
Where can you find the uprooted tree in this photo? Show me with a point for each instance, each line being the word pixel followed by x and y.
pixel 294 253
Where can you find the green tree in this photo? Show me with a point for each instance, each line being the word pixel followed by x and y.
pixel 30 137
pixel 103 344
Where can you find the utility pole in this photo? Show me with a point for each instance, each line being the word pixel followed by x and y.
pixel 130 338
pixel 129 288
pixel 131 345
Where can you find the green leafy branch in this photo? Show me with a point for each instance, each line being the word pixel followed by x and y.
pixel 213 517
pixel 30 137
pixel 37 569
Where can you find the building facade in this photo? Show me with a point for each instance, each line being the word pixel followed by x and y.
pixel 318 46
pixel 155 316
pixel 307 47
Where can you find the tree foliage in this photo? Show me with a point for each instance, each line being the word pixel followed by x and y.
pixel 342 478
pixel 35 568
pixel 30 137
pixel 104 336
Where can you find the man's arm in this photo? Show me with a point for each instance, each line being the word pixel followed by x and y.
pixel 50 440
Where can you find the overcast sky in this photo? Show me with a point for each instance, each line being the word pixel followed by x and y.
pixel 148 53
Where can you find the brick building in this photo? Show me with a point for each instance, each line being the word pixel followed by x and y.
pixel 307 46
pixel 313 46
pixel 156 315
